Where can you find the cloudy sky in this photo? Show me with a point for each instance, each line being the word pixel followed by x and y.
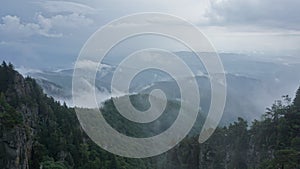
pixel 36 33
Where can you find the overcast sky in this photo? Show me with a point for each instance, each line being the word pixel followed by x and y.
pixel 42 32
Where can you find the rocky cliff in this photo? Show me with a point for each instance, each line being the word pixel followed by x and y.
pixel 18 118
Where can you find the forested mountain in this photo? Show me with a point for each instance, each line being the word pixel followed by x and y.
pixel 38 132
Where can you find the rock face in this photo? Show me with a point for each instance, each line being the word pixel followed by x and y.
pixel 15 149
pixel 18 120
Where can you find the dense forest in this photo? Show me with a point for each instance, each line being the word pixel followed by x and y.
pixel 38 132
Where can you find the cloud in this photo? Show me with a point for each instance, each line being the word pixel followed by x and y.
pixel 13 28
pixel 12 25
pixel 70 21
pixel 54 30
pixel 87 64
pixel 192 10
pixel 266 13
pixel 65 6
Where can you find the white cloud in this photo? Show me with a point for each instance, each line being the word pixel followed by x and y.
pixel 65 6
pixel 263 13
pixel 192 10
pixel 12 25
pixel 87 64
pixel 13 28
pixel 266 25
pixel 71 21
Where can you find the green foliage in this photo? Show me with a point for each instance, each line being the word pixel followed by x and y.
pixel 284 159
pixel 60 143
pixel 297 100
pixel 9 117
pixel 52 165
pixel 7 74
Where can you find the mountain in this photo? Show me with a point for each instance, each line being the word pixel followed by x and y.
pixel 253 82
pixel 38 132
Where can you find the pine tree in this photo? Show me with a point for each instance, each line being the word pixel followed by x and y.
pixel 4 64
pixel 297 100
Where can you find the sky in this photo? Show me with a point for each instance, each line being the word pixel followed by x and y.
pixel 38 33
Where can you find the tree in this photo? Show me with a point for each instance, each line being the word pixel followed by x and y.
pixel 285 159
pixel 9 117
pixel 4 64
pixel 297 100
pixel 11 66
pixel 52 165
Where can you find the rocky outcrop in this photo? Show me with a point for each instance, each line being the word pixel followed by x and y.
pixel 15 149
pixel 16 136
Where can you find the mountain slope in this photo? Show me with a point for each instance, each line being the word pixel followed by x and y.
pixel 38 132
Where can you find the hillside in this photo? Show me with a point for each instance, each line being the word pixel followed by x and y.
pixel 38 132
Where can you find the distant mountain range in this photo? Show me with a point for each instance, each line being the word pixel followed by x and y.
pixel 252 82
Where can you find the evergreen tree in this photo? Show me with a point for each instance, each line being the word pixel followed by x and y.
pixel 297 100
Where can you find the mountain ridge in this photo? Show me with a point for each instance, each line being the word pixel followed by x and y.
pixel 38 132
